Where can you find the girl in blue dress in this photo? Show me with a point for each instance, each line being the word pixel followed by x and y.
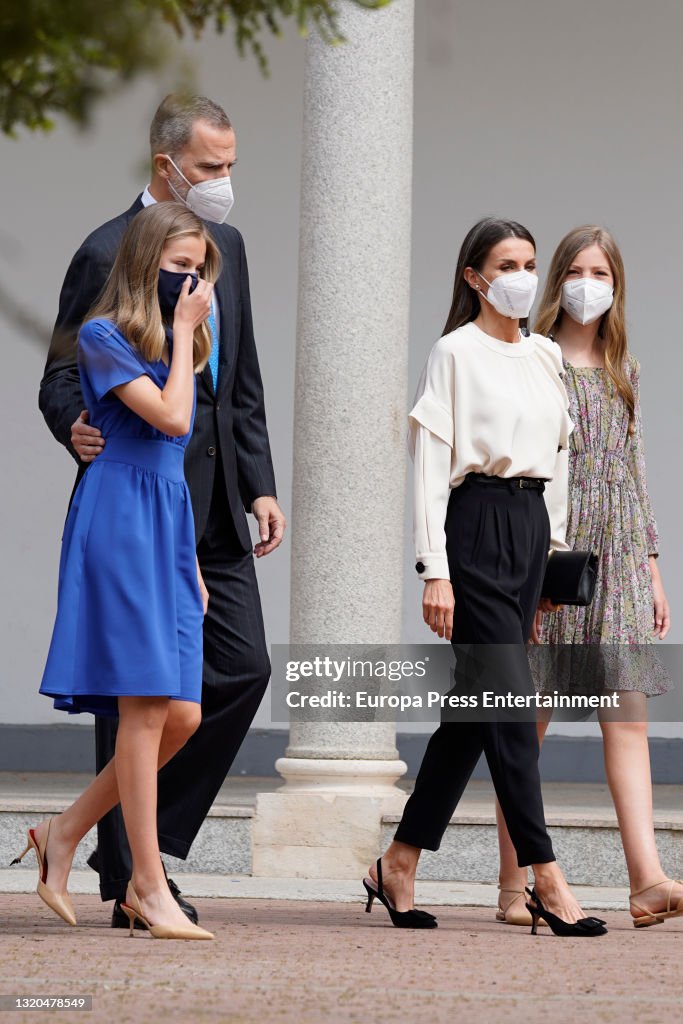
pixel 127 639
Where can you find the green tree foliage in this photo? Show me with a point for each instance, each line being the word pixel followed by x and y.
pixel 59 56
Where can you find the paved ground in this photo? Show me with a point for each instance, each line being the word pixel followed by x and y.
pixel 291 962
pixel 298 951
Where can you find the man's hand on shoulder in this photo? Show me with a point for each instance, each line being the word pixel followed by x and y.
pixel 271 524
pixel 87 441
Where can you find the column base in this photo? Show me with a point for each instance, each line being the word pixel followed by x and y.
pixel 326 821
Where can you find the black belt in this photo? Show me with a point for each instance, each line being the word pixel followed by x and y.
pixel 533 483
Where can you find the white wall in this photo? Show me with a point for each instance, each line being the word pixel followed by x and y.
pixel 551 114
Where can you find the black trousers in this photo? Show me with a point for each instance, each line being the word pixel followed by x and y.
pixel 235 677
pixel 497 544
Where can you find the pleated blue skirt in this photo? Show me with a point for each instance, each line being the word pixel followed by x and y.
pixel 129 615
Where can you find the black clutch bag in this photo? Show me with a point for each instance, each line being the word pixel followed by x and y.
pixel 570 577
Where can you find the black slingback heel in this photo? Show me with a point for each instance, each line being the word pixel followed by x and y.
pixel 399 918
pixel 585 926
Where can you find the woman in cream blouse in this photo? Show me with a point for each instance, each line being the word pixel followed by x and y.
pixel 489 434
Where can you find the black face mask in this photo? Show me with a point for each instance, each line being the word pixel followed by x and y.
pixel 170 286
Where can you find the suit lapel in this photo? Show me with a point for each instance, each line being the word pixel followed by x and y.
pixel 208 380
pixel 135 208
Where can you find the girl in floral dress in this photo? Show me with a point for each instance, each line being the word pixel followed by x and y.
pixel 610 513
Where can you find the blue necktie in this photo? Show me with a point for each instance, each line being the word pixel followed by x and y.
pixel 213 358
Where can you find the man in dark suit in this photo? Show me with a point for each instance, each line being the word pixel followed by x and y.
pixel 228 469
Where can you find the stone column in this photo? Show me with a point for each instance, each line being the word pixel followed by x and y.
pixel 349 430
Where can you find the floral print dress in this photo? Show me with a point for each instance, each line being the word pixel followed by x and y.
pixel 609 513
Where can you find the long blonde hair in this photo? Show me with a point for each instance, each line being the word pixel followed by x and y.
pixel 130 298
pixel 612 329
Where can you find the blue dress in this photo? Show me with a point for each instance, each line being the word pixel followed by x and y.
pixel 129 615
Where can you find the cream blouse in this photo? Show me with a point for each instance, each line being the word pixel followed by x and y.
pixel 486 406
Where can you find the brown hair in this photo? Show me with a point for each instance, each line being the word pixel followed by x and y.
pixel 478 243
pixel 175 118
pixel 131 298
pixel 612 328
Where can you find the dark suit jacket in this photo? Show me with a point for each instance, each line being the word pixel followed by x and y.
pixel 230 434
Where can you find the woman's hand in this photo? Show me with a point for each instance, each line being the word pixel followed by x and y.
pixel 202 589
pixel 438 603
pixel 662 620
pixel 544 605
pixel 192 310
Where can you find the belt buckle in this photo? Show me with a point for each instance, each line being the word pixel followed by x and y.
pixel 522 483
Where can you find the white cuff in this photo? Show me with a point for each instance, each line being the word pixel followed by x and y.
pixel 433 567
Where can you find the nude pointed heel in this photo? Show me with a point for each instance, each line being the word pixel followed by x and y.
pixel 17 860
pixel 131 915
pixel 60 903
pixel 648 917
pixel 133 910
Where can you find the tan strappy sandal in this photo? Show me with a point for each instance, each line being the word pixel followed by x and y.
pixel 650 917
pixel 515 911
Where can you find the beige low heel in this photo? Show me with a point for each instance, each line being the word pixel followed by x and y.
pixel 60 903
pixel 648 917
pixel 515 911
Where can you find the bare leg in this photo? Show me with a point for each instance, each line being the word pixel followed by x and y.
pixel 69 827
pixel 138 742
pixel 627 765
pixel 554 892
pixel 399 866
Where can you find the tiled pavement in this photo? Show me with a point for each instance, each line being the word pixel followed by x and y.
pixel 297 962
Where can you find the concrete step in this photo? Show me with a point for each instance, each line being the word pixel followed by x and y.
pixel 223 845
pixel 581 819
pixel 589 851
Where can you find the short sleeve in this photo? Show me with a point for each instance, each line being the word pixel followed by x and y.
pixel 433 406
pixel 106 358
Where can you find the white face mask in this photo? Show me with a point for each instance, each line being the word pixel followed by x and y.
pixel 211 200
pixel 586 299
pixel 512 294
